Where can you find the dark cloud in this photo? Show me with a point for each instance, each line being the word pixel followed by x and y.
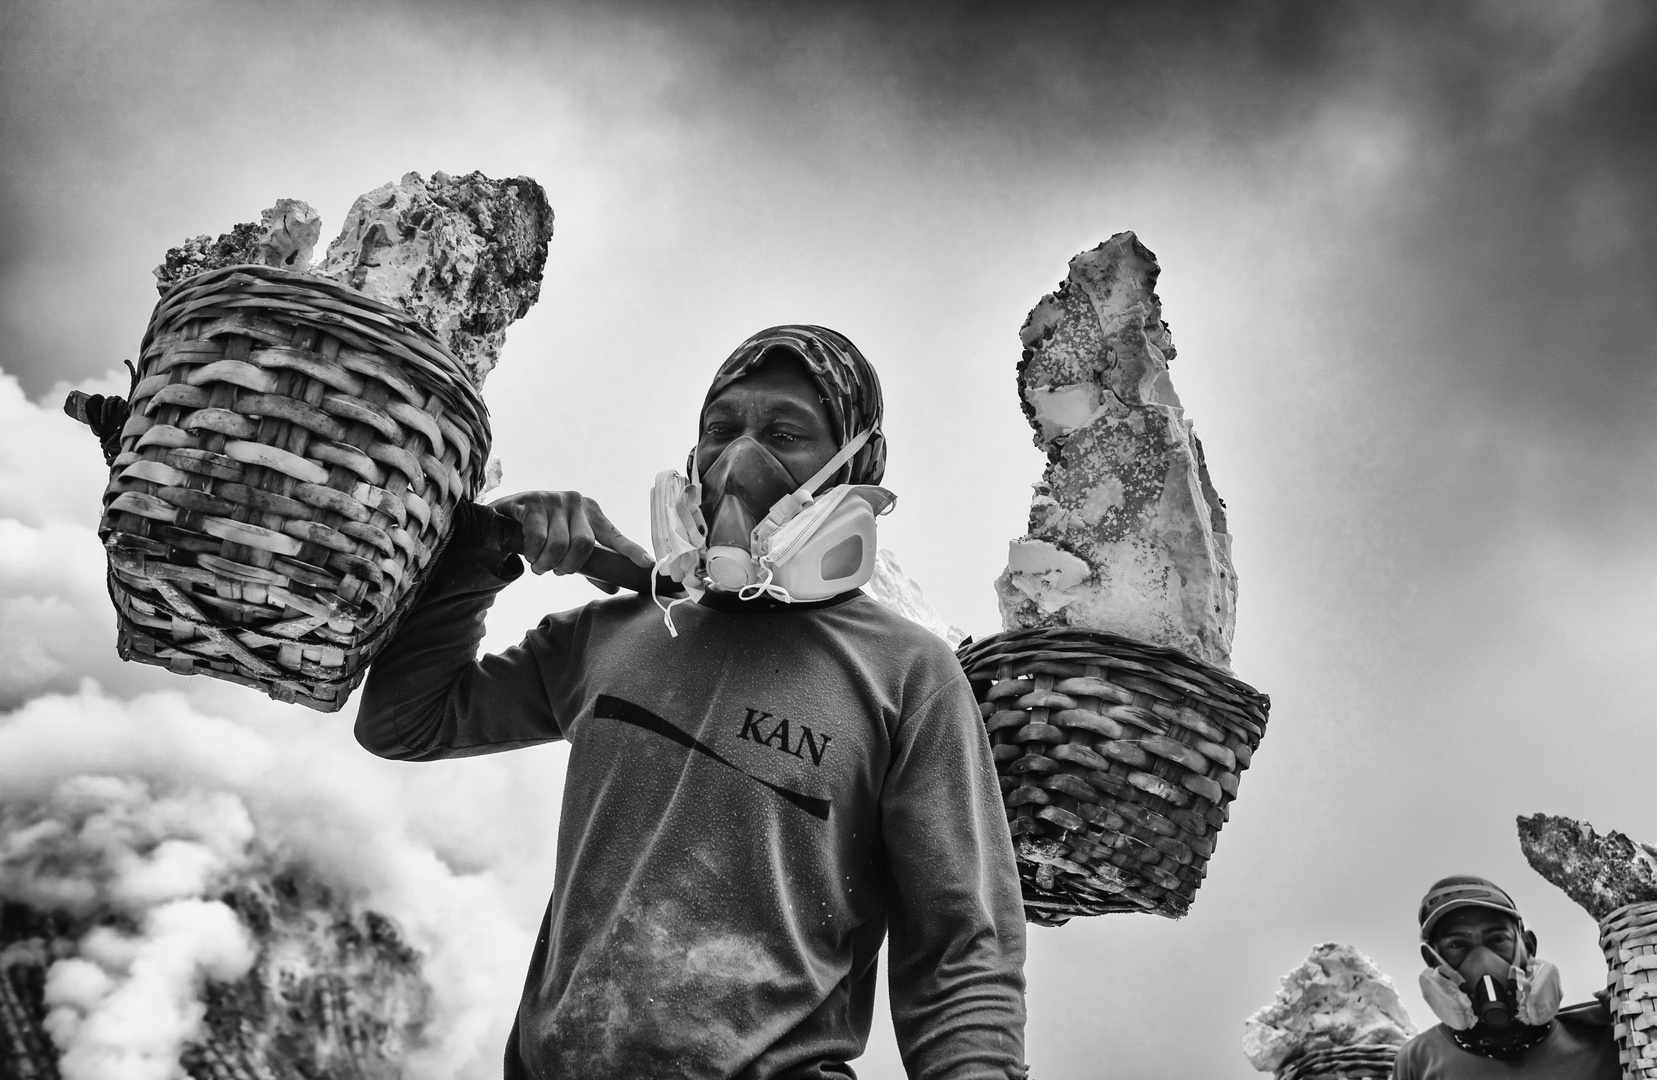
pixel 1507 260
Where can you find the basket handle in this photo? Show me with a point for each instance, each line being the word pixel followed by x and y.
pixel 504 533
pixel 106 416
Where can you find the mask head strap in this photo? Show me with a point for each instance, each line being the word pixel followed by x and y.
pixel 834 464
pixel 800 498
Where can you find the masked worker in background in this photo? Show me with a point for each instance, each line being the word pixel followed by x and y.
pixel 1498 1002
pixel 759 791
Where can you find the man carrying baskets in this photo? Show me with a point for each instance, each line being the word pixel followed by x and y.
pixel 761 785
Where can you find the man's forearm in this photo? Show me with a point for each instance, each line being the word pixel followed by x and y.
pixel 970 1026
pixel 957 921
pixel 416 677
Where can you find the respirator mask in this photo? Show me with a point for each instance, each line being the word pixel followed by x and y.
pixel 1493 1008
pixel 746 528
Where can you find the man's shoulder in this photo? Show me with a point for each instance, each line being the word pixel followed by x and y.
pixel 894 631
pixel 1584 1037
pixel 897 644
pixel 1429 1043
pixel 1589 1014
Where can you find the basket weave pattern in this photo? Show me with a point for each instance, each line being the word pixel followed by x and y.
pixel 1118 761
pixel 1629 937
pixel 1365 1062
pixel 292 458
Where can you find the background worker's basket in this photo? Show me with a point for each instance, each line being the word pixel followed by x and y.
pixel 1118 761
pixel 293 455
pixel 1629 937
pixel 1362 1062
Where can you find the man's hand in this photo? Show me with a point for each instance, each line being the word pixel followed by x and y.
pixel 562 527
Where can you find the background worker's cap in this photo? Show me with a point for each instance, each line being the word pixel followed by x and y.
pixel 1453 893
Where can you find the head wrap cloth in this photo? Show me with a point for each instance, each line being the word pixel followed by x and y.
pixel 849 386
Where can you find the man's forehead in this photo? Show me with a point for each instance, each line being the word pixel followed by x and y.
pixel 760 400
pixel 783 382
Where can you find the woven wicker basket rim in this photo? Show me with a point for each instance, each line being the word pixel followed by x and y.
pixel 1628 919
pixel 329 305
pixel 1311 1064
pixel 1079 644
pixel 1363 1051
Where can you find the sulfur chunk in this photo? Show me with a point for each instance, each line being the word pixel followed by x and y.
pixel 462 254
pixel 1602 873
pixel 284 236
pixel 1335 1000
pixel 1126 532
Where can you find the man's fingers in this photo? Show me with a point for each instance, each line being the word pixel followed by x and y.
pixel 551 553
pixel 580 543
pixel 612 538
pixel 534 522
pixel 561 528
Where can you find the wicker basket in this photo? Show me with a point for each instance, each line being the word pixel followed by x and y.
pixel 1369 1062
pixel 1118 761
pixel 1629 937
pixel 292 457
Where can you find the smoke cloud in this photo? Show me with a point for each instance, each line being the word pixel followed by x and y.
pixel 124 1007
pixel 129 790
pixel 196 796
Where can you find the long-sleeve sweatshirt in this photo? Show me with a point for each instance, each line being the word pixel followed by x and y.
pixel 749 809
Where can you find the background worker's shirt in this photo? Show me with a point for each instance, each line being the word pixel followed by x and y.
pixel 1571 1051
pixel 748 808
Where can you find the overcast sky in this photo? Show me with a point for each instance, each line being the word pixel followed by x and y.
pixel 1407 258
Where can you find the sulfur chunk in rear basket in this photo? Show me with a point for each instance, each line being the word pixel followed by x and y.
pixel 1337 998
pixel 1602 873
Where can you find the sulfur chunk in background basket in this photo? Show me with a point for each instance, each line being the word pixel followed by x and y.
pixel 1335 1001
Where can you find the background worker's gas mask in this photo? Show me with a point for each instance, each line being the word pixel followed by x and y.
pixel 1486 992
pixel 745 528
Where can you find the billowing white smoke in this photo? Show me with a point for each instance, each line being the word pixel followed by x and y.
pixel 176 777
pixel 125 1006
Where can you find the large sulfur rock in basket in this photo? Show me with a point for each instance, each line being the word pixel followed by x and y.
pixel 1126 534
pixel 1336 1012
pixel 463 254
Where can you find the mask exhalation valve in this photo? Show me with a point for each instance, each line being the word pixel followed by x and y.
pixel 729 568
